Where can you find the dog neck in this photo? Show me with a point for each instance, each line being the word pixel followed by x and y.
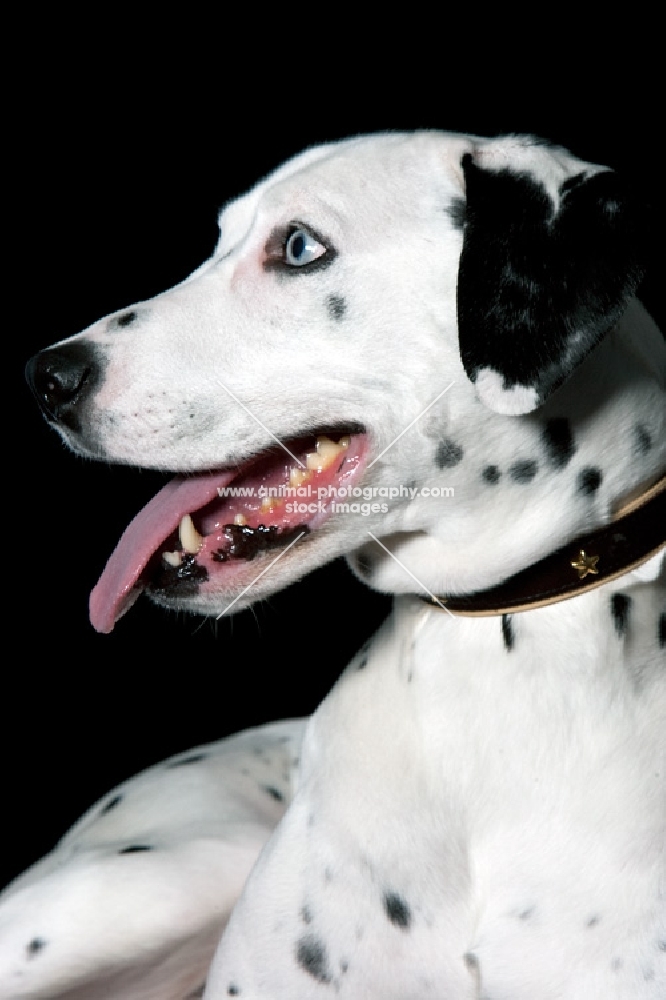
pixel 524 488
pixel 634 536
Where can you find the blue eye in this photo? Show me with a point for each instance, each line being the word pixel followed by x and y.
pixel 302 248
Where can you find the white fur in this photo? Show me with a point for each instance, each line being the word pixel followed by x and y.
pixel 468 820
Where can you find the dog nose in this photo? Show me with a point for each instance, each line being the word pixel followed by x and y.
pixel 61 378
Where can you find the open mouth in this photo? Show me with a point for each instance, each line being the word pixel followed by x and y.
pixel 202 532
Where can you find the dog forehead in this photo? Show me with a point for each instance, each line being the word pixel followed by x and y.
pixel 376 168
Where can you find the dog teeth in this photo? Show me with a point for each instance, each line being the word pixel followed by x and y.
pixel 190 539
pixel 298 476
pixel 270 503
pixel 172 558
pixel 326 453
pixel 240 519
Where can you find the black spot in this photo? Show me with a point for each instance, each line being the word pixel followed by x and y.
pixel 311 956
pixel 363 662
pixel 397 910
pixel 233 990
pixel 448 454
pixel 507 632
pixel 135 849
pixel 126 319
pixel 589 480
pixel 457 212
pixel 593 921
pixel 364 564
pixel 526 913
pixel 274 793
pixel 523 471
pixel 528 264
pixel 194 758
pixel 620 604
pixel 491 474
pixel 643 439
pixel 661 630
pixel 337 306
pixel 35 946
pixel 183 579
pixel 470 959
pixel 306 915
pixel 344 966
pixel 616 964
pixel 572 182
pixel 558 442
pixel 111 804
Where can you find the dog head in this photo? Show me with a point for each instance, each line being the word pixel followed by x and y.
pixel 378 314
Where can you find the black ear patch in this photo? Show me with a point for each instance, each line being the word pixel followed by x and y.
pixel 540 283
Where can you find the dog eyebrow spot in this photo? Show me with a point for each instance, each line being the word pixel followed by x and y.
pixel 448 454
pixel 337 306
pixel 523 471
pixel 589 480
pixel 193 758
pixel 111 804
pixel 135 849
pixel 125 320
pixel 558 442
pixel 233 990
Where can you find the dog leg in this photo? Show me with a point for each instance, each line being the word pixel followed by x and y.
pixel 133 900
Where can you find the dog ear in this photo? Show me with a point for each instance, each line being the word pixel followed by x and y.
pixel 545 272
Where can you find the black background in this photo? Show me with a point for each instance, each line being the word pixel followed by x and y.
pixel 120 160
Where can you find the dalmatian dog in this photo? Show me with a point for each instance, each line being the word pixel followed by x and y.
pixel 424 352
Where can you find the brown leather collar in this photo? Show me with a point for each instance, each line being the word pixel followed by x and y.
pixel 635 534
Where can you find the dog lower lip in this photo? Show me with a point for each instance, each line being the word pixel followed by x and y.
pixel 245 543
pixel 181 581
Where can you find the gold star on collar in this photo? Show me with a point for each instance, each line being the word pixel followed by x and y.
pixel 585 564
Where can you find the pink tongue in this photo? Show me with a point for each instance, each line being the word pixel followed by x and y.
pixel 117 587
